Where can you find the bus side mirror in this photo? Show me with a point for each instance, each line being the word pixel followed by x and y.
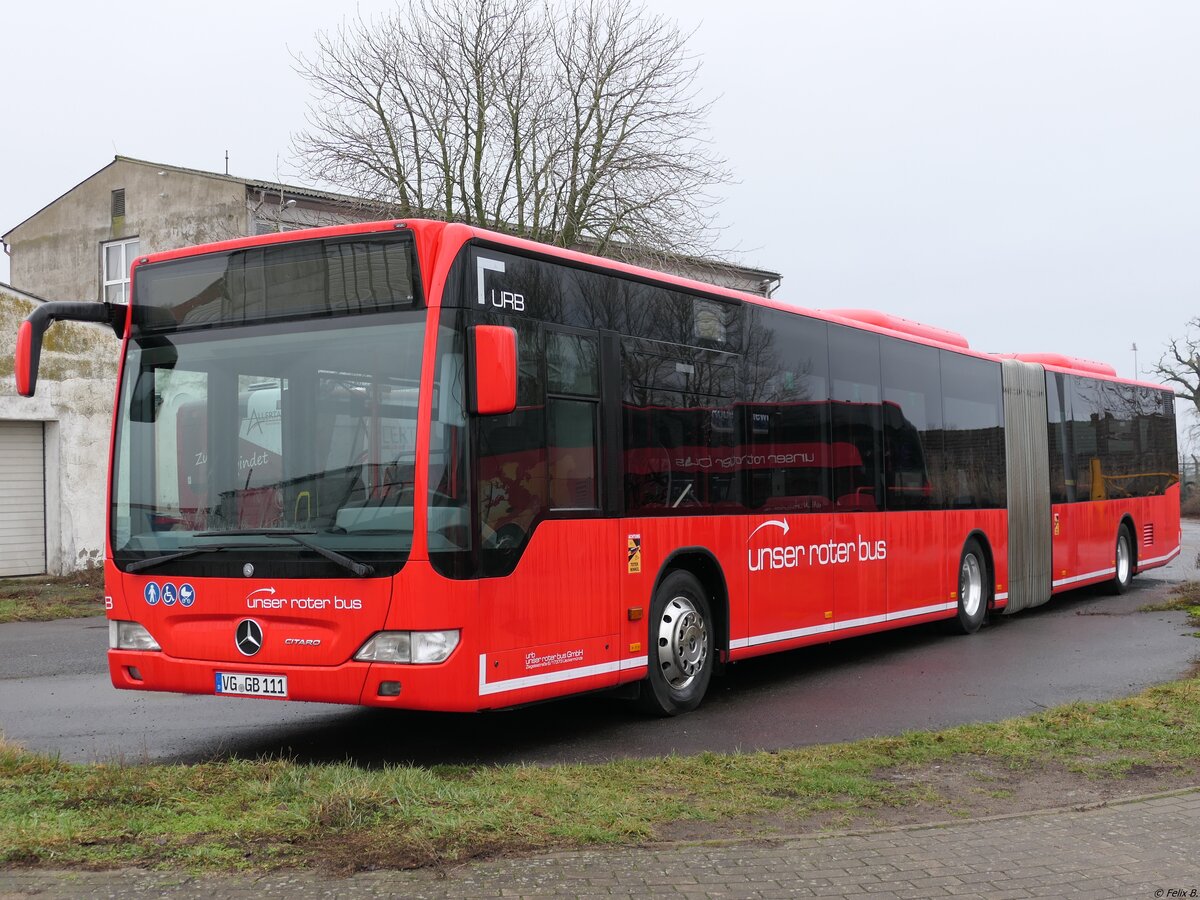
pixel 29 334
pixel 493 352
pixel 25 361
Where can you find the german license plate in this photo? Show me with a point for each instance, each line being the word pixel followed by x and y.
pixel 246 685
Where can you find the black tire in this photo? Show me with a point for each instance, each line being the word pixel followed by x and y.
pixel 974 589
pixel 680 646
pixel 1123 554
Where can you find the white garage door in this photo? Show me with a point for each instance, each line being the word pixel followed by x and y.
pixel 22 499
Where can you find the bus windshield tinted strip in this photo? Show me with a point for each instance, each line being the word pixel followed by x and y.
pixel 307 279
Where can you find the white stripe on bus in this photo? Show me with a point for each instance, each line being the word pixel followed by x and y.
pixel 1160 559
pixel 756 640
pixel 516 684
pixel 1099 573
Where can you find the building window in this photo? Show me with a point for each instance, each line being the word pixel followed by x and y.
pixel 116 257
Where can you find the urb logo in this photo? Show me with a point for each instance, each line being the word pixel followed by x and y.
pixel 502 299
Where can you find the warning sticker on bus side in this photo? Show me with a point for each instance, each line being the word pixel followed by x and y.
pixel 635 554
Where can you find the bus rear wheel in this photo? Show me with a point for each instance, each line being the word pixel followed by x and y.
pixel 1124 560
pixel 973 591
pixel 680 646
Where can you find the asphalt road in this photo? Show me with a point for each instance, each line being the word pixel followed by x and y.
pixel 55 695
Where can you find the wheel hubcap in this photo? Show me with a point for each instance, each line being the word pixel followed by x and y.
pixel 970 585
pixel 1123 559
pixel 682 642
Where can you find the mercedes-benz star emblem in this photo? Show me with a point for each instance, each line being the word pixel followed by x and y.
pixel 248 637
pixel 248 569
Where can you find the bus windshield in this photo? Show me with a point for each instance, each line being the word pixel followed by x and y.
pixel 268 404
pixel 248 434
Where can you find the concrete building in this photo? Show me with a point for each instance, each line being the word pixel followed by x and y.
pixel 54 447
pixel 79 246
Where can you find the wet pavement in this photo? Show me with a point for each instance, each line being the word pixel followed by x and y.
pixel 1086 645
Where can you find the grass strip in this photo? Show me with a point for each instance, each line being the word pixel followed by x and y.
pixel 45 597
pixel 1184 597
pixel 271 813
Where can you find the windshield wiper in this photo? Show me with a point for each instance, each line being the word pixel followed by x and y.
pixel 153 561
pixel 362 570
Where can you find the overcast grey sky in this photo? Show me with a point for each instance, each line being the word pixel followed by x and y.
pixel 1026 172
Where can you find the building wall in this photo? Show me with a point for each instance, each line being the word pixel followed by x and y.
pixel 723 276
pixel 76 385
pixel 726 275
pixel 56 253
pixel 268 214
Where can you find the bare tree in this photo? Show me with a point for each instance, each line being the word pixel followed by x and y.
pixel 570 124
pixel 1179 366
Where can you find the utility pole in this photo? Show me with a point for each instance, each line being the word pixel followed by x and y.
pixel 1135 366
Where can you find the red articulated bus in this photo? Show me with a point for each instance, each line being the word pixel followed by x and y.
pixel 425 466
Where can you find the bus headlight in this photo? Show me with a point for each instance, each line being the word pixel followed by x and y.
pixel 409 647
pixel 129 636
pixel 433 646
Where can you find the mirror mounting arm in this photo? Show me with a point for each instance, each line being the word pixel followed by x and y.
pixel 29 335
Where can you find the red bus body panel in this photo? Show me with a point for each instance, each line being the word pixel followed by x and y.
pixel 1085 535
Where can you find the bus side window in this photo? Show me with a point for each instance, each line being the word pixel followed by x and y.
pixel 680 429
pixel 912 417
pixel 1058 415
pixel 1087 414
pixel 572 446
pixel 972 406
pixel 787 456
pixel 857 418
pixel 572 419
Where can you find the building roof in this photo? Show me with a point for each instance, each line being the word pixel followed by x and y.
pixel 251 183
pixel 256 184
pixel 17 292
pixel 350 200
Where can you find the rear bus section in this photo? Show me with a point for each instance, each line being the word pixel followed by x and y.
pixel 1114 482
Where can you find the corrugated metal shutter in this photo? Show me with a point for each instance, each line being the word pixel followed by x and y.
pixel 22 499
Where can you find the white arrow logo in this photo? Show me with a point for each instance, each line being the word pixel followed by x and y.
pixel 485 265
pixel 781 523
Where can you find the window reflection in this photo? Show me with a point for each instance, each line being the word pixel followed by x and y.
pixel 1108 440
pixel 727 407
pixel 282 427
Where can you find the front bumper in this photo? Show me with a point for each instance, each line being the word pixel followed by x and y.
pixel 426 687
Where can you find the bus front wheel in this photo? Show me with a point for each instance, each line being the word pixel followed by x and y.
pixel 972 588
pixel 681 646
